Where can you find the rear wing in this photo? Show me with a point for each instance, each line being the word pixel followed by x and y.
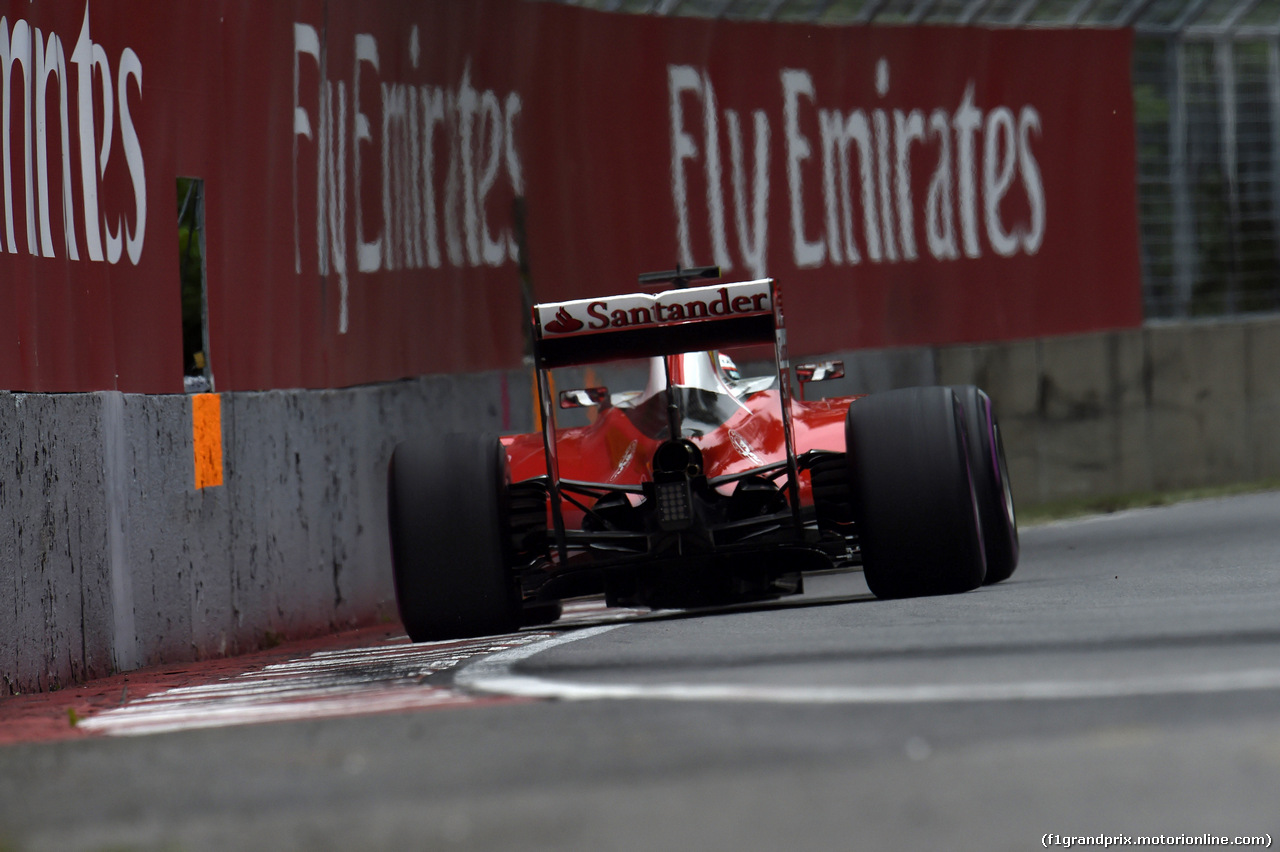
pixel 639 325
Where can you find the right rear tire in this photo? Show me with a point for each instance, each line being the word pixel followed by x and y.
pixel 912 493
pixel 448 502
pixel 990 483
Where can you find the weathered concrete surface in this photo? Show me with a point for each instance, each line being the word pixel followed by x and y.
pixel 1168 406
pixel 110 558
pixel 1262 389
pixel 55 598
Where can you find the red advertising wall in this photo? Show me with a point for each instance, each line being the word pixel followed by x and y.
pixel 906 185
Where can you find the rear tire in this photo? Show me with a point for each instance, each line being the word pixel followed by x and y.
pixel 990 483
pixel 913 500
pixel 448 503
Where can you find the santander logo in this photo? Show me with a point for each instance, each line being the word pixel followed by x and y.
pixel 564 323
pixel 638 310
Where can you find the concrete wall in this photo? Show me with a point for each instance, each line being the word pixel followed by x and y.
pixel 111 559
pixel 1166 406
pixel 1169 406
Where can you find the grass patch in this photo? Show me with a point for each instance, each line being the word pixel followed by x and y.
pixel 1058 510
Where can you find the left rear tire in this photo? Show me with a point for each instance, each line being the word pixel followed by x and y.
pixel 449 517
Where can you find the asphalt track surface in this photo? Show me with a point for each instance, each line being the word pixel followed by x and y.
pixel 1124 683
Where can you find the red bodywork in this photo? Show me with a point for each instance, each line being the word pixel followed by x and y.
pixel 697 490
pixel 614 450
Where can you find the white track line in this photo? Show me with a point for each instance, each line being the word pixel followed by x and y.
pixel 324 685
pixel 495 675
pixel 390 678
pixel 328 684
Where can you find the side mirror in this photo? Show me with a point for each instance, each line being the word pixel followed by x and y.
pixel 818 372
pixel 584 398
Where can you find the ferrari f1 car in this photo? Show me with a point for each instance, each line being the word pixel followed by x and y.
pixel 702 489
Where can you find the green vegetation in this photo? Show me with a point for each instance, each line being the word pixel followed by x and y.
pixel 191 272
pixel 1058 510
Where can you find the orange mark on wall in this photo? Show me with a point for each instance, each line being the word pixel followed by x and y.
pixel 206 438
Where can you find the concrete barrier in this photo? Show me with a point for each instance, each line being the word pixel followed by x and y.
pixel 1171 405
pixel 111 558
pixel 1167 406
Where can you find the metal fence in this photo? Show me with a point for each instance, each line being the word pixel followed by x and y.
pixel 1206 83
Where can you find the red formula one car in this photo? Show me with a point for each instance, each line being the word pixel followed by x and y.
pixel 702 489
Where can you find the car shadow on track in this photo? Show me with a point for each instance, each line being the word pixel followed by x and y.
pixel 592 612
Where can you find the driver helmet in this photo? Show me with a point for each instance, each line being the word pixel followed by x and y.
pixel 727 367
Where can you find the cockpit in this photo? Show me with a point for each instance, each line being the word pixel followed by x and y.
pixel 706 389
